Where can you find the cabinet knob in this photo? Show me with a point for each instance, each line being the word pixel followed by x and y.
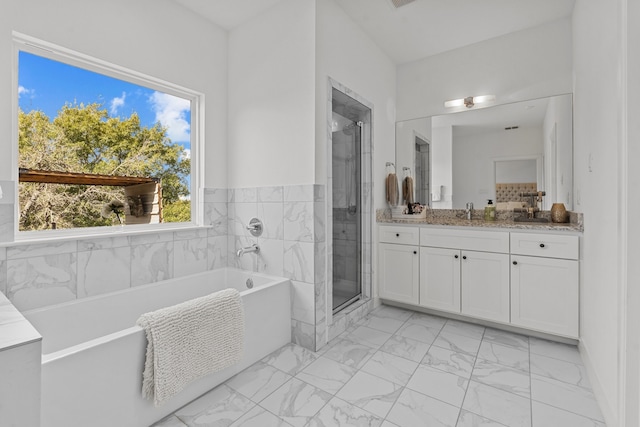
pixel 542 245
pixel 415 252
pixel 464 257
pixel 515 262
pixel 455 256
pixel 397 234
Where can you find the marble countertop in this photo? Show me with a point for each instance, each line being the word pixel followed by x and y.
pixel 15 330
pixel 504 220
pixel 457 222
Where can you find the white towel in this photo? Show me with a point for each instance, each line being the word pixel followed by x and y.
pixel 190 340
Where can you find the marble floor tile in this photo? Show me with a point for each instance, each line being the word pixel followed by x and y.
pixel 504 355
pixel 390 367
pixel 565 396
pixel 384 324
pixel 219 407
pixel 406 348
pixel 457 343
pixel 560 370
pixel 296 402
pixel 171 421
pixel 418 410
pixel 438 384
pixel 290 359
pixel 392 312
pixel 327 374
pixel 498 405
pixel 418 332
pixel 338 413
pixel 369 337
pixel 450 361
pixel 469 419
pixel 510 339
pixel 259 417
pixel 258 381
pixel 349 353
pixel 463 328
pixel 548 416
pixel 502 377
pixel 370 393
pixel 388 423
pixel 566 352
pixel 433 322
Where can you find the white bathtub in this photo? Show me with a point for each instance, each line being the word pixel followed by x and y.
pixel 93 353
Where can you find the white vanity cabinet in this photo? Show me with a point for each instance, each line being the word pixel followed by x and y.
pixel 525 279
pixel 545 283
pixel 399 264
pixel 440 279
pixel 465 271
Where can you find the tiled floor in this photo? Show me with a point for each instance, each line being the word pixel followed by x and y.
pixel 404 369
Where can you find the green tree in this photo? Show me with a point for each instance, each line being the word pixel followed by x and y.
pixel 83 138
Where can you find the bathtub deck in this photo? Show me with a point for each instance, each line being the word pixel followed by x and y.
pixel 399 368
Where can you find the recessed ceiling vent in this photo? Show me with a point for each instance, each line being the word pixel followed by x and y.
pixel 400 3
pixel 511 128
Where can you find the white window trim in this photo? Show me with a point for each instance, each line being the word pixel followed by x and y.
pixel 25 43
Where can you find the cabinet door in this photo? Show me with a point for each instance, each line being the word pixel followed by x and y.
pixel 544 294
pixel 485 285
pixel 399 267
pixel 440 279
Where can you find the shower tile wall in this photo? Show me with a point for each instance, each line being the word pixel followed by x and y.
pixel 292 245
pixel 41 274
pixel 7 210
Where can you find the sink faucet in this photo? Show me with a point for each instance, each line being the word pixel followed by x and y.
pixel 252 248
pixel 469 210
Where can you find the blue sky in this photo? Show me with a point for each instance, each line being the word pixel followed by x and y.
pixel 46 85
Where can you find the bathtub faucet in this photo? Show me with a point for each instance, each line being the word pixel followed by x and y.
pixel 252 248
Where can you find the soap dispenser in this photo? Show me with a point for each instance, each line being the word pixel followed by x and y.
pixel 490 211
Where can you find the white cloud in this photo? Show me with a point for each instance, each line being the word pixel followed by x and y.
pixel 187 153
pixel 171 112
pixel 24 91
pixel 116 103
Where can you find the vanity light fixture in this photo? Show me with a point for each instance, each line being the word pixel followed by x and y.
pixel 469 101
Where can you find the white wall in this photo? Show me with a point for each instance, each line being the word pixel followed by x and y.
pixel 558 161
pixel 154 37
pixel 441 163
pixel 528 64
pixel 347 55
pixel 597 161
pixel 271 97
pixel 473 157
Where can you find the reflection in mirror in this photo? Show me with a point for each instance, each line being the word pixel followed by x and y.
pixel 491 153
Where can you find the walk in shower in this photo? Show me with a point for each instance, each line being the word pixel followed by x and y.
pixel 349 125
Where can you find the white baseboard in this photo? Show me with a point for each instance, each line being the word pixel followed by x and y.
pixel 608 412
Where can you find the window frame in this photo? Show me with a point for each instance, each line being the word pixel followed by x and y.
pixel 25 43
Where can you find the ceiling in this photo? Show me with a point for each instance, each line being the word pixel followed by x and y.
pixel 414 31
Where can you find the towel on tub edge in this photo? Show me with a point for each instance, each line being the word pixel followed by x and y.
pixel 190 340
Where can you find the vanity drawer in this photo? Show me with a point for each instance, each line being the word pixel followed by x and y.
pixel 544 245
pixel 472 240
pixel 399 235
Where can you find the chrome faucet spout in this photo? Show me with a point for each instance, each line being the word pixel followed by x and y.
pixel 253 248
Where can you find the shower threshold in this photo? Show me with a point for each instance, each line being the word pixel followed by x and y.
pixel 347 303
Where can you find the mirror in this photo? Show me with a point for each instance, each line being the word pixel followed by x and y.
pixel 490 153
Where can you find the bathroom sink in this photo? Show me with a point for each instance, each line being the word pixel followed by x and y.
pixel 525 219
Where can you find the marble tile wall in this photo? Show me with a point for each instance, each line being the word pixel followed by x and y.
pixel 291 246
pixel 40 274
pixel 7 210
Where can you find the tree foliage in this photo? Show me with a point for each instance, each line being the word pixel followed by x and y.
pixel 83 138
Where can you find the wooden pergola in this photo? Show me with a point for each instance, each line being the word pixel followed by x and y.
pixel 144 194
pixel 73 178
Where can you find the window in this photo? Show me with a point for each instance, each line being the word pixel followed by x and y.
pixel 99 146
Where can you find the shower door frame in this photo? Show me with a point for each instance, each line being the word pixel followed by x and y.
pixel 336 323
